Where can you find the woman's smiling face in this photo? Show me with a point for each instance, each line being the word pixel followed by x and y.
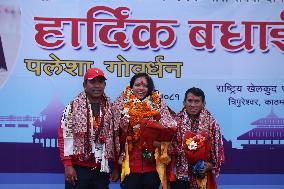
pixel 140 88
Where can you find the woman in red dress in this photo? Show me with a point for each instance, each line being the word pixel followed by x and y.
pixel 138 104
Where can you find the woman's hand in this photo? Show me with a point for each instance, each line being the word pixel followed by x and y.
pixel 124 122
pixel 121 158
pixel 114 175
pixel 156 144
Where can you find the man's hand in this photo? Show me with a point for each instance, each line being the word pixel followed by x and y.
pixel 200 172
pixel 70 174
pixel 207 166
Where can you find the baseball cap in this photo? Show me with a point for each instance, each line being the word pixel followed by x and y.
pixel 93 73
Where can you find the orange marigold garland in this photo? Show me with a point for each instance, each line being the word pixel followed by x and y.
pixel 135 109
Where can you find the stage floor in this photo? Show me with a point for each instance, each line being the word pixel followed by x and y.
pixel 55 181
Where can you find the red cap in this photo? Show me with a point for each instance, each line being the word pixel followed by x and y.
pixel 93 73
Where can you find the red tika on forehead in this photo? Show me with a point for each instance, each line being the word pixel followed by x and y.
pixel 194 97
pixel 141 81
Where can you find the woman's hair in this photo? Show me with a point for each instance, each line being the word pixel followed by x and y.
pixel 196 92
pixel 150 82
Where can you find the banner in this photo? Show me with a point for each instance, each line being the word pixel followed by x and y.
pixel 232 50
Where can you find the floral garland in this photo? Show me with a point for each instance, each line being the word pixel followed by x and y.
pixel 135 109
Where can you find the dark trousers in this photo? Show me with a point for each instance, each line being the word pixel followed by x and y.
pixel 89 179
pixel 180 184
pixel 141 181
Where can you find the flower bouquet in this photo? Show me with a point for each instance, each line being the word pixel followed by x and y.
pixel 151 130
pixel 196 146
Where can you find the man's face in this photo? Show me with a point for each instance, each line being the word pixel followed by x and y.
pixel 95 88
pixel 193 104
